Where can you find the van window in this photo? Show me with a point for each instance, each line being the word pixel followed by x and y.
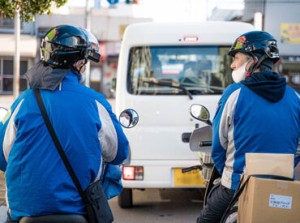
pixel 167 70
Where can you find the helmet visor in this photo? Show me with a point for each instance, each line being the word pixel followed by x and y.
pixel 239 45
pixel 93 48
pixel 66 39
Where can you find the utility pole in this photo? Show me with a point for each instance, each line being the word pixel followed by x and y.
pixel 16 75
pixel 88 27
pixel 258 21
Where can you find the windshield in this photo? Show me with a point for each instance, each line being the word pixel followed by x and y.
pixel 173 70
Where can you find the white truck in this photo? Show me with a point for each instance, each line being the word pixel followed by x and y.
pixel 163 69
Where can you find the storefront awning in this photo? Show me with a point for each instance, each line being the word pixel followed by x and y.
pixel 28 45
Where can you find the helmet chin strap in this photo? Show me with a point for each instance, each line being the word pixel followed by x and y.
pixel 78 70
pixel 254 66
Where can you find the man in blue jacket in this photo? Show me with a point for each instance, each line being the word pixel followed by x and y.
pixel 37 181
pixel 259 114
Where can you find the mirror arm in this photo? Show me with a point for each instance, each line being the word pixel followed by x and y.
pixel 209 122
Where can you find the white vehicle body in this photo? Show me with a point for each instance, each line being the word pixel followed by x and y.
pixel 156 142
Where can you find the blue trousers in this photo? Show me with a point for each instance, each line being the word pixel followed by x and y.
pixel 217 201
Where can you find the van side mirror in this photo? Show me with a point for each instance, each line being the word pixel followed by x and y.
pixel 128 118
pixel 200 113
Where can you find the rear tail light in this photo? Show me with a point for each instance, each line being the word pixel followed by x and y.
pixel 133 173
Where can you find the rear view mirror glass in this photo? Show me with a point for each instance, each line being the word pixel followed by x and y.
pixel 128 118
pixel 200 112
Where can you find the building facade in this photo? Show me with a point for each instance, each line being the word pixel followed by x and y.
pixel 282 20
pixel 28 52
pixel 107 24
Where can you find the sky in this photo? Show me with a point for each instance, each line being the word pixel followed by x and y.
pixel 171 10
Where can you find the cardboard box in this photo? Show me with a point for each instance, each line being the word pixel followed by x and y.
pixel 268 200
pixel 270 164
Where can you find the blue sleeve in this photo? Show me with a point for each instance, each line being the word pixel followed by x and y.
pixel 219 146
pixel 122 150
pixel 3 162
pixel 218 152
pixel 122 153
pixel 3 126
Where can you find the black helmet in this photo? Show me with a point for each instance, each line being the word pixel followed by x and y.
pixel 256 43
pixel 64 45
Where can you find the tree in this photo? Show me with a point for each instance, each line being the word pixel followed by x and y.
pixel 28 8
pixel 24 10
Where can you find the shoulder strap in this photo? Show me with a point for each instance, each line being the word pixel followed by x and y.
pixel 58 145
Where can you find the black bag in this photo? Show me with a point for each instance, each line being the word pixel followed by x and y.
pixel 98 210
pixel 97 206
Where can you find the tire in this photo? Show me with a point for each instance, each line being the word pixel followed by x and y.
pixel 125 198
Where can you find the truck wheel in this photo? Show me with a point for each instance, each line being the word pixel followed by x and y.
pixel 125 198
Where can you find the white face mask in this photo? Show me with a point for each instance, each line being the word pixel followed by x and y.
pixel 240 73
pixel 124 121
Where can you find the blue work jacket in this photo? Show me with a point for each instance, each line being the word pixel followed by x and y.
pixel 89 132
pixel 258 115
